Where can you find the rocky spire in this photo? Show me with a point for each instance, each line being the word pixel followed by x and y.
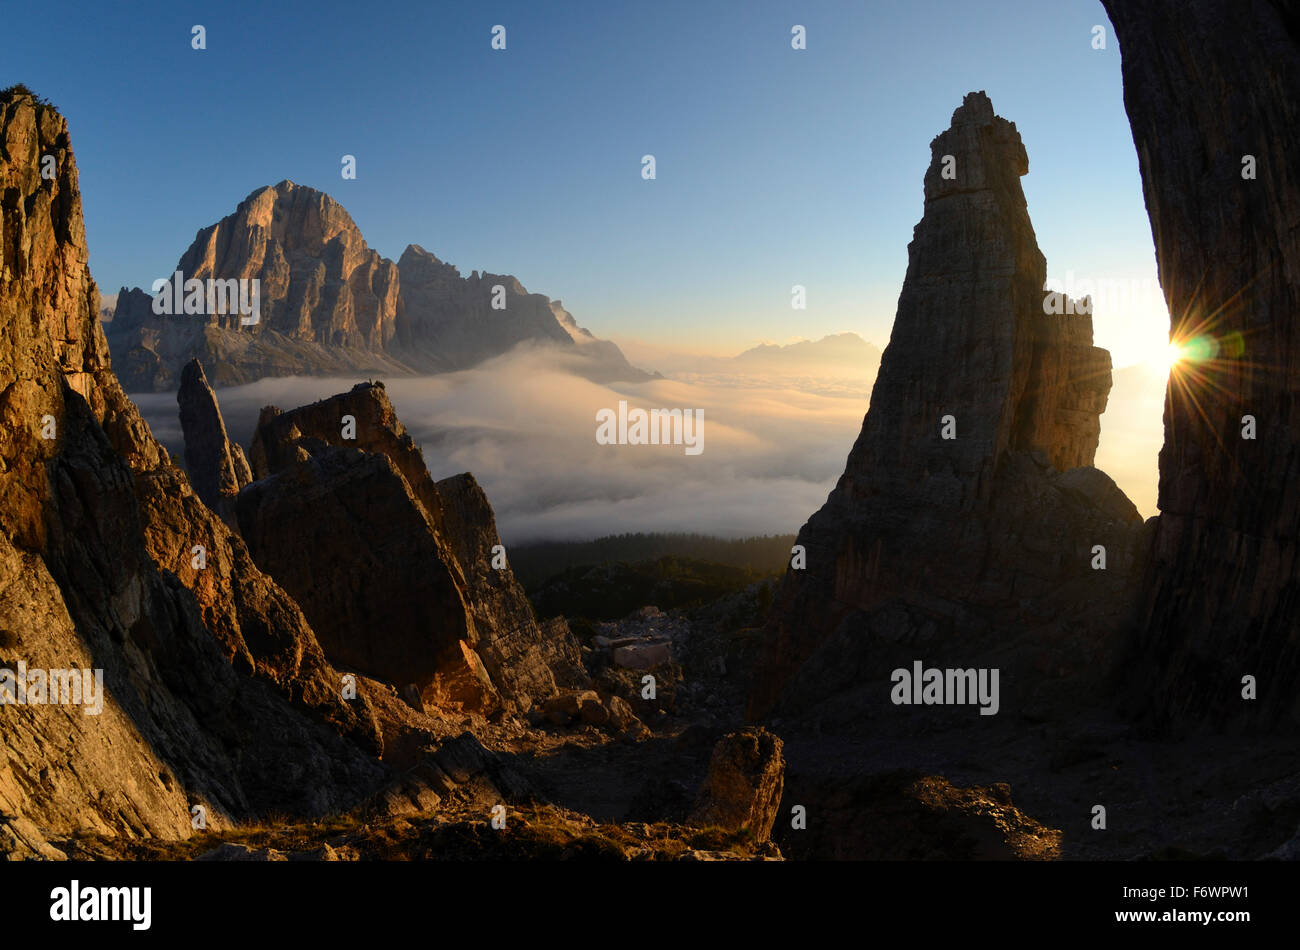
pixel 971 338
pixel 965 484
pixel 217 466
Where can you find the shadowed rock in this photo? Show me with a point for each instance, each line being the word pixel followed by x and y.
pixel 215 464
pixel 1224 590
pixel 903 815
pixel 526 660
pixel 434 611
pixel 962 513
pixel 338 524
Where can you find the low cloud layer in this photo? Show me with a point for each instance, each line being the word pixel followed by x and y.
pixel 525 426
pixel 1132 431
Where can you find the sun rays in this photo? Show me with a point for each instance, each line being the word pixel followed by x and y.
pixel 1214 372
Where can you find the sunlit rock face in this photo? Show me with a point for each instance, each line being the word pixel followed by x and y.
pixel 328 304
pixel 320 282
pixel 215 691
pixel 967 502
pixel 1217 135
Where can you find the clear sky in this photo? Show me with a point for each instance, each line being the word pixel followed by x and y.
pixel 774 166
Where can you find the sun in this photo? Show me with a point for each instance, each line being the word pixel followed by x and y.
pixel 1166 357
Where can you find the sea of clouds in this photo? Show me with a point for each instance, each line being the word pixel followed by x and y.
pixel 525 426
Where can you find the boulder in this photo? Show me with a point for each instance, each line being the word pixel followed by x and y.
pixel 744 785
pixel 565 708
pixel 643 655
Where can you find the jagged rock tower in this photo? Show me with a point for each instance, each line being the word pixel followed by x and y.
pixel 967 505
pixel 215 462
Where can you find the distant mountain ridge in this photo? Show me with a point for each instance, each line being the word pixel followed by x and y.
pixel 847 353
pixel 330 304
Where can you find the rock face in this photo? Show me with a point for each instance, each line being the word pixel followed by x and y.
pixel 329 305
pixel 327 302
pixel 393 611
pixel 1224 589
pixel 216 465
pixel 744 785
pixel 528 661
pixel 452 318
pixel 392 604
pixel 215 692
pixel 432 610
pixel 319 281
pixel 966 507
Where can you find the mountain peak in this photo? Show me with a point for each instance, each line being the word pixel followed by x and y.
pixel 415 250
pixel 329 304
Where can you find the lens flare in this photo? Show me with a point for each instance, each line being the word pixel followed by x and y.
pixel 1200 349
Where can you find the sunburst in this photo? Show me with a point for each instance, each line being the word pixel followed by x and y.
pixel 1212 367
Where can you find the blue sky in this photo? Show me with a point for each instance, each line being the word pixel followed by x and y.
pixel 775 166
